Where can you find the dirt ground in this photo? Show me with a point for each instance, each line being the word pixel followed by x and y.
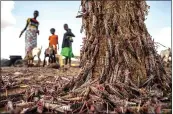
pixel 36 75
pixel 19 79
pixel 33 74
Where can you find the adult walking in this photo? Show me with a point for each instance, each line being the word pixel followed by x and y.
pixel 31 29
pixel 67 45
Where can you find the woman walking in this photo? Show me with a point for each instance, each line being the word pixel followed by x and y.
pixel 67 45
pixel 31 32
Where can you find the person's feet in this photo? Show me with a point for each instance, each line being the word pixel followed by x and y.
pixel 66 66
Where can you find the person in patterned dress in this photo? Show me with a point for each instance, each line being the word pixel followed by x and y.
pixel 31 29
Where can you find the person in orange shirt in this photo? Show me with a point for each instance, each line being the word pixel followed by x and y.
pixel 53 40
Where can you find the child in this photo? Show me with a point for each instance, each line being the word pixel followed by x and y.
pixel 53 40
pixel 67 45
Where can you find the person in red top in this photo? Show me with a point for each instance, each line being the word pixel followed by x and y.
pixel 53 40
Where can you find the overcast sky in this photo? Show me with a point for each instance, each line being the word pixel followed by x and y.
pixel 55 13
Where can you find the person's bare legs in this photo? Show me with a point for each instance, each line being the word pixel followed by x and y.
pixel 69 61
pixel 66 60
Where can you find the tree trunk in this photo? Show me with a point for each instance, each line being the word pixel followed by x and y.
pixel 118 45
pixel 119 61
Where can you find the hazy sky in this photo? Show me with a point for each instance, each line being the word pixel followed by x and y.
pixel 55 13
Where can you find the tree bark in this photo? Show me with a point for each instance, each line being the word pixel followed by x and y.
pixel 118 54
pixel 118 46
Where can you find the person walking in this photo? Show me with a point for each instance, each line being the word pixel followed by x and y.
pixel 31 29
